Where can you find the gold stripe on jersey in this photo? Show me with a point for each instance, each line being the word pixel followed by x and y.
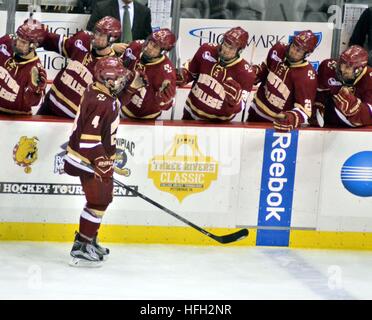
pixel 360 76
pixel 345 104
pixel 29 60
pixel 78 155
pixel 98 213
pixel 264 108
pixel 102 88
pixel 14 111
pixel 298 64
pixel 64 51
pixel 155 62
pixel 90 137
pixel 321 90
pixel 207 115
pixel 233 63
pixel 129 114
pixel 301 107
pixel 63 98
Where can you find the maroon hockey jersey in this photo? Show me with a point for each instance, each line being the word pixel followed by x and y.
pixel 70 83
pixel 16 93
pixel 95 127
pixel 329 86
pixel 146 102
pixel 283 87
pixel 206 99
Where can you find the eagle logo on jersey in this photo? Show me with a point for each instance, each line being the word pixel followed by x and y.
pixel 25 152
pixel 10 64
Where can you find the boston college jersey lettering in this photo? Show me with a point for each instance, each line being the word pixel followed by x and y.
pixel 284 86
pixel 70 83
pixel 206 99
pixel 15 79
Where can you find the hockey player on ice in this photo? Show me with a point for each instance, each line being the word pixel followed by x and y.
pixel 93 142
pixel 149 60
pixel 344 97
pixel 84 50
pixel 288 84
pixel 22 77
pixel 219 76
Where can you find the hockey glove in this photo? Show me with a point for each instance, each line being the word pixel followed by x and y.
pixel 119 48
pixel 233 92
pixel 287 121
pixel 167 92
pixel 137 80
pixel 183 77
pixel 103 168
pixel 38 79
pixel 346 102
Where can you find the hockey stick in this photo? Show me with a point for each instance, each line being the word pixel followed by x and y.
pixel 228 238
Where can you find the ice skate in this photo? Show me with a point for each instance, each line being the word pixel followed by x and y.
pixel 101 250
pixel 85 254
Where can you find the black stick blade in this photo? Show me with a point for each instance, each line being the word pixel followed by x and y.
pixel 236 236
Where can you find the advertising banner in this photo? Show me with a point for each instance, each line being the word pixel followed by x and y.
pixel 60 23
pixel 181 168
pixel 346 182
pixel 3 18
pixel 262 34
pixel 216 177
pixel 277 185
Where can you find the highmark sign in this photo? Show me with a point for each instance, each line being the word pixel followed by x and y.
pixel 183 174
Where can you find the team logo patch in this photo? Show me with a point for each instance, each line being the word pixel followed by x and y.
pixel 25 152
pixel 59 161
pixel 356 174
pixel 129 54
pixel 333 82
pixel 4 50
pixel 183 174
pixel 207 56
pixel 123 149
pixel 79 45
pixel 275 56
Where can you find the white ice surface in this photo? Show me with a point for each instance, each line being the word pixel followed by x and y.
pixel 35 270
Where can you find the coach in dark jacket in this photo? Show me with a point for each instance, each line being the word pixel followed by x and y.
pixel 362 30
pixel 141 24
